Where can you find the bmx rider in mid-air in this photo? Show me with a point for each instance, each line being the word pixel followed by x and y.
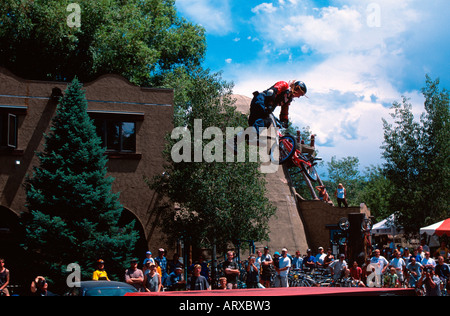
pixel 264 104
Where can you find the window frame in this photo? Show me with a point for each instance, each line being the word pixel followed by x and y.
pixel 13 144
pixel 104 135
pixel 9 130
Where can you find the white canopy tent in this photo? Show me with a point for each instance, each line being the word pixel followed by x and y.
pixel 386 227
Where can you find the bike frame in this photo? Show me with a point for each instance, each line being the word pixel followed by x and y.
pixel 298 159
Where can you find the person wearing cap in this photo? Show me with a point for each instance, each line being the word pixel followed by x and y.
pixel 282 269
pixel 266 264
pixel 320 257
pixel 162 262
pixel 100 274
pixel 339 268
pixel 175 281
pixel 406 255
pixel 174 263
pixel 135 276
pixel 148 257
pixel 309 261
pixel 252 273
pixel 152 279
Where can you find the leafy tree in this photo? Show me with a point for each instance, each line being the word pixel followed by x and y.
pixel 403 166
pixel 220 202
pixel 375 192
pixel 140 40
pixel 417 160
pixel 345 171
pixel 436 149
pixel 73 213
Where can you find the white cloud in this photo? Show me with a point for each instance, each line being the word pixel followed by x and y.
pixel 356 57
pixel 229 60
pixel 333 29
pixel 214 15
pixel 264 7
pixel 353 82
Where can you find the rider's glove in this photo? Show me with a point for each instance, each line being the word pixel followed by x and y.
pixel 285 124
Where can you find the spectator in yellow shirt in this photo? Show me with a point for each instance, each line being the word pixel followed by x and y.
pixel 100 274
pixel 442 251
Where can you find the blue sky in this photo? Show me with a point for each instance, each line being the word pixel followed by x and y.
pixel 355 56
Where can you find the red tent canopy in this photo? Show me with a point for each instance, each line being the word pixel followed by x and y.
pixel 440 228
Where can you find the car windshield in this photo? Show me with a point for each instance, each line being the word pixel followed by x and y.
pixel 108 292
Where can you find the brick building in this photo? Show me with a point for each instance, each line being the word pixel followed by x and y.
pixel 132 122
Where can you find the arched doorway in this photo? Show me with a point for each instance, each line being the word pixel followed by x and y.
pixel 11 237
pixel 10 233
pixel 141 245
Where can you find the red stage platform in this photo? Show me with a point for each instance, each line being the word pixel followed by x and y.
pixel 288 292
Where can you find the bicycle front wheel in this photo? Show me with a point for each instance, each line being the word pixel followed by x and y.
pixel 310 172
pixel 287 147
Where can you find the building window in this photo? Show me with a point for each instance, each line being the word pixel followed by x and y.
pixel 117 136
pixel 8 130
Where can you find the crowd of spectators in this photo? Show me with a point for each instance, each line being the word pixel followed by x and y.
pixel 395 268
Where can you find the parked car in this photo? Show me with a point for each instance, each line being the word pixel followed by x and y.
pixel 101 288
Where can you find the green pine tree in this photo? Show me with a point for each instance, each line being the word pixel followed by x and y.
pixel 73 213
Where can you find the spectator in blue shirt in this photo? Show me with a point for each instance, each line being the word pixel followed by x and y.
pixel 442 270
pixel 162 262
pixel 175 281
pixel 309 261
pixel 414 269
pixel 297 262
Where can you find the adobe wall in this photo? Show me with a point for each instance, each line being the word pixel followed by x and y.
pixel 317 215
pixel 286 227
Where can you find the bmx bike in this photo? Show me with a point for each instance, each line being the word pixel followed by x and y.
pixel 289 153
